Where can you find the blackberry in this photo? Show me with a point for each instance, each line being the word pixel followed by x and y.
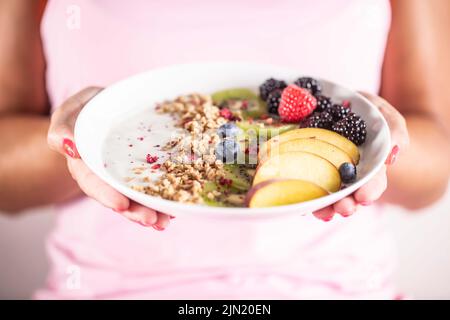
pixel 352 127
pixel 273 101
pixel 338 111
pixel 310 84
pixel 270 85
pixel 322 120
pixel 323 102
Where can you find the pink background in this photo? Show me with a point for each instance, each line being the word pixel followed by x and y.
pixel 422 240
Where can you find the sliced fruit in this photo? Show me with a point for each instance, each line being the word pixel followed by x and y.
pixel 208 187
pixel 229 197
pixel 278 192
pixel 235 200
pixel 312 145
pixel 251 107
pixel 233 94
pixel 321 134
pixel 240 180
pixel 262 129
pixel 300 165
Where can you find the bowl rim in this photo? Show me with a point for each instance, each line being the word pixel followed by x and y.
pixel 211 211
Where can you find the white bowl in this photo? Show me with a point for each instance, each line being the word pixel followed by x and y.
pixel 118 102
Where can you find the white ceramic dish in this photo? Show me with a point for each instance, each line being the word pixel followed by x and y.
pixel 131 96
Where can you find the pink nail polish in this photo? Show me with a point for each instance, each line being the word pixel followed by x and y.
pixel 158 228
pixel 393 155
pixel 70 149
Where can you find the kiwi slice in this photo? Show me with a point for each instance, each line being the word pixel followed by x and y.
pixel 239 177
pixel 235 193
pixel 260 128
pixel 254 106
pixel 208 187
pixel 233 94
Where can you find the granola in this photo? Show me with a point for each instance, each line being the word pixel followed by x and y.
pixel 193 161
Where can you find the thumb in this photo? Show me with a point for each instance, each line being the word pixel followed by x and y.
pixel 396 123
pixel 60 133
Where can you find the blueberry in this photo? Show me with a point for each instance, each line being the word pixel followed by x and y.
pixel 347 172
pixel 228 129
pixel 227 150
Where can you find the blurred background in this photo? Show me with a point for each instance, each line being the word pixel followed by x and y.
pixel 422 237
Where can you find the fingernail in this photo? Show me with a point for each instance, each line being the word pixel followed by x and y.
pixel 158 228
pixel 393 155
pixel 326 219
pixel 70 149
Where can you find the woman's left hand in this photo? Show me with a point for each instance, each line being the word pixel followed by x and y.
pixel 372 190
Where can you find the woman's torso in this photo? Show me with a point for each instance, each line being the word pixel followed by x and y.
pixel 97 43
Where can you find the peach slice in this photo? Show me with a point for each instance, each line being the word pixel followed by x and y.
pixel 300 165
pixel 321 134
pixel 312 145
pixel 278 192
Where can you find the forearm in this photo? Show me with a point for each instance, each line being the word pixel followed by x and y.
pixel 30 173
pixel 420 176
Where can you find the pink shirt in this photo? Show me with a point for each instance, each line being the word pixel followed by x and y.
pixel 96 253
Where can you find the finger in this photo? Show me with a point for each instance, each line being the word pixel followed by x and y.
pixel 144 216
pixel 325 214
pixel 373 189
pixel 95 188
pixel 345 207
pixel 396 123
pixel 163 221
pixel 63 120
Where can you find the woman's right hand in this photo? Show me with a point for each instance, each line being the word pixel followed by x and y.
pixel 60 138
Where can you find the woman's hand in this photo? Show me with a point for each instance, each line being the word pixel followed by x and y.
pixel 60 139
pixel 373 189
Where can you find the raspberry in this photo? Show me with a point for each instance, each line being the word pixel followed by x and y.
pixel 226 113
pixel 296 104
pixel 346 104
pixel 270 85
pixel 151 159
pixel 225 182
